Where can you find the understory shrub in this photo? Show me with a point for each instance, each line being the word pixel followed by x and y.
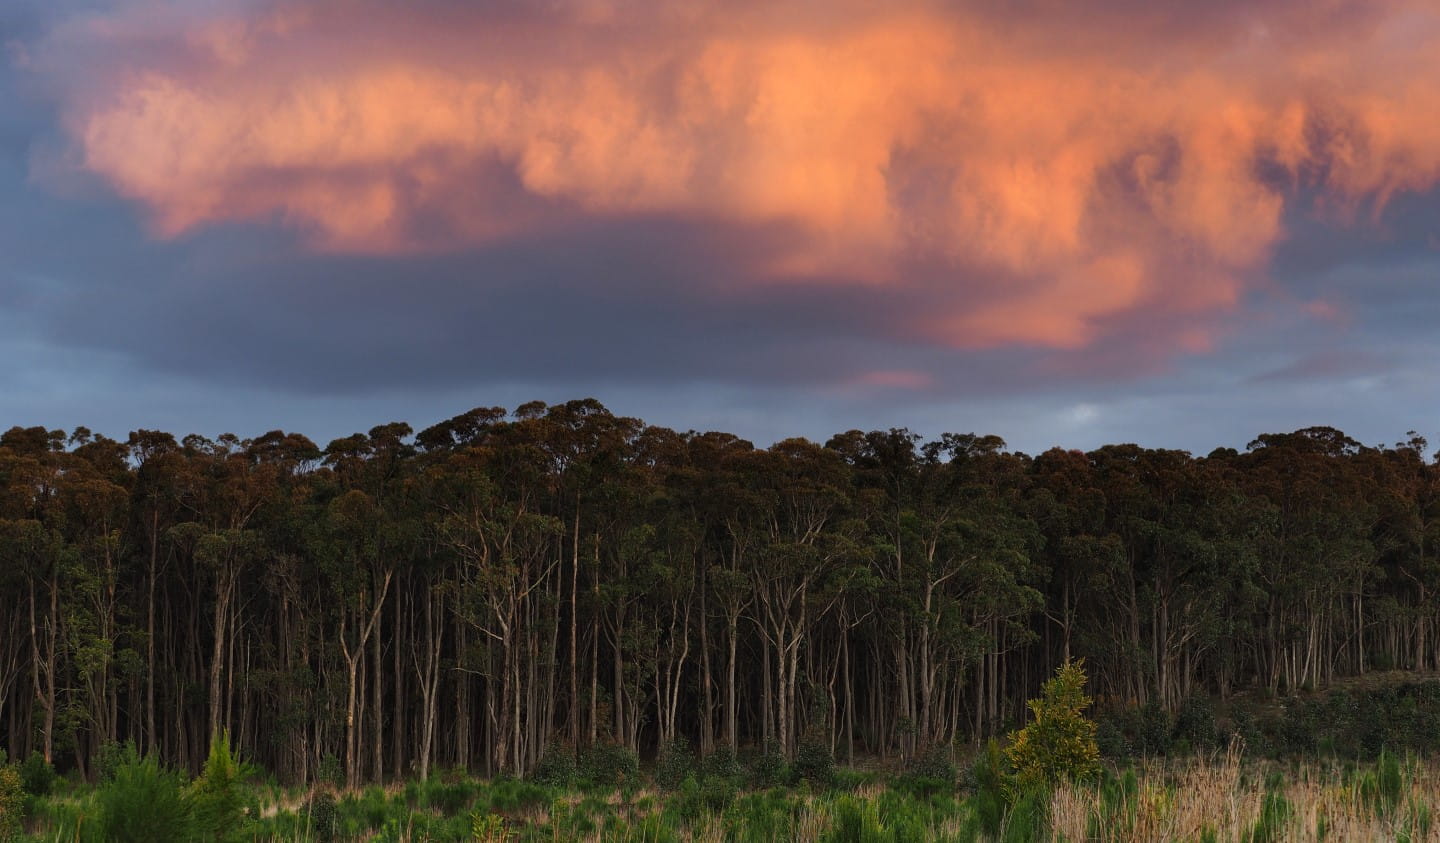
pixel 769 768
pixel 813 761
pixel 218 797
pixel 721 763
pixel 609 764
pixel 12 804
pixel 557 767
pixel 37 777
pixel 321 815
pixel 1059 743
pixel 143 801
pixel 675 763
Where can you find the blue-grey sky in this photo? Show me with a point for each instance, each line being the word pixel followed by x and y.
pixel 1143 224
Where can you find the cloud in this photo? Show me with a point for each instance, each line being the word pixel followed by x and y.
pixel 1021 175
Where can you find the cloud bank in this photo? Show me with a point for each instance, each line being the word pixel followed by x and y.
pixel 1104 180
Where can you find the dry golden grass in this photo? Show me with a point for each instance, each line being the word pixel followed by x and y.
pixel 1226 798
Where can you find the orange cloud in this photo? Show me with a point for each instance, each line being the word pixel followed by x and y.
pixel 1068 175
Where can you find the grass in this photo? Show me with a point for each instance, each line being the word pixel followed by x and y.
pixel 1222 798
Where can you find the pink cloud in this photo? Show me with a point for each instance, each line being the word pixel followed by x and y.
pixel 1100 176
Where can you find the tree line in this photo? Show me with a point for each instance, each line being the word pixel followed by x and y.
pixel 506 584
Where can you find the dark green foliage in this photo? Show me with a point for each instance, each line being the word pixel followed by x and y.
pixel 609 764
pixel 557 767
pixel 685 558
pixel 37 776
pixel 675 763
pixel 509 797
pixel 322 815
pixel 768 768
pixel 450 798
pixel 143 802
pixel 112 756
pixel 722 763
pixel 989 779
pixel 1195 728
pixel 933 763
pixel 929 773
pixel 331 772
pixel 814 762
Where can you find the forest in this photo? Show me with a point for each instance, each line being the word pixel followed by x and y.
pixel 507 584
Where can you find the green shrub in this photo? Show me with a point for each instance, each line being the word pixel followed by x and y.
pixel 721 763
pixel 217 797
pixel 330 771
pixel 113 755
pixel 609 764
pixel 1195 724
pixel 814 763
pixel 322 815
pixel 12 804
pixel 37 776
pixel 1059 743
pixel 1152 730
pixel 991 783
pixel 451 799
pixel 769 768
pixel 143 802
pixel 557 767
pixel 933 763
pixel 676 762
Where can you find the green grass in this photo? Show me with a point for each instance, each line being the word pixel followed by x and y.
pixel 1220 799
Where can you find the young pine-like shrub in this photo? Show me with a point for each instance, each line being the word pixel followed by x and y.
pixel 217 798
pixel 143 802
pixel 1059 743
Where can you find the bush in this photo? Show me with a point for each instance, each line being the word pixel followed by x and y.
pixel 37 777
pixel 330 771
pixel 769 768
pixel 113 755
pixel 321 813
pixel 12 804
pixel 217 798
pixel 1152 730
pixel 933 763
pixel 676 762
pixel 1195 724
pixel 990 780
pixel 557 767
pixel 721 763
pixel 814 763
pixel 609 764
pixel 1060 742
pixel 143 802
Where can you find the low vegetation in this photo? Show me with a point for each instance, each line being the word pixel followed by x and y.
pixel 1044 783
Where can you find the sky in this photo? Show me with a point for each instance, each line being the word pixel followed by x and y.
pixel 1181 224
